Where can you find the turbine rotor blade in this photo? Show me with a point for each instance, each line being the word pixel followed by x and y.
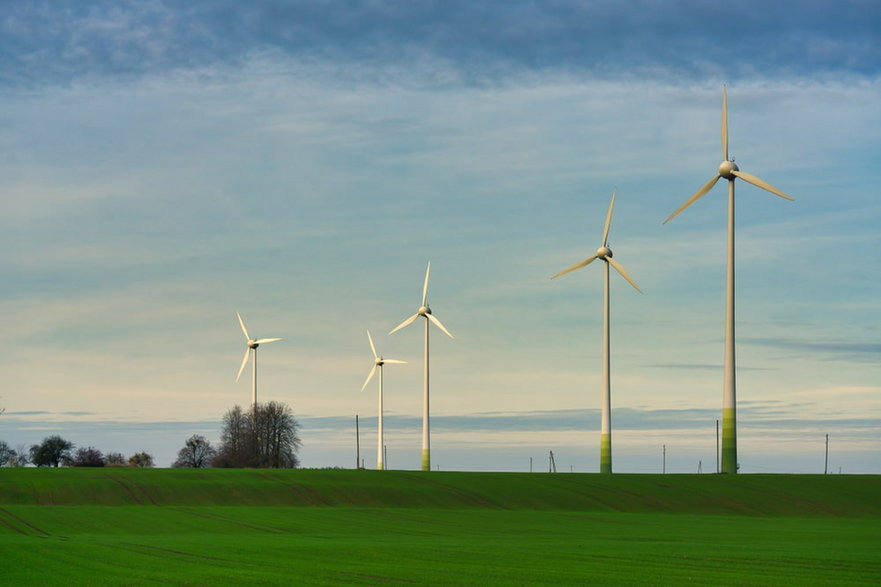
pixel 244 329
pixel 578 265
pixel 266 340
pixel 394 361
pixel 697 195
pixel 406 322
pixel 244 362
pixel 372 348
pixel 425 286
pixel 369 377
pixel 623 273
pixel 609 219
pixel 724 124
pixel 760 183
pixel 439 325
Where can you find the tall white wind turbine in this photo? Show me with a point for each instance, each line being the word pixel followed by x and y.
pixel 729 171
pixel 251 347
pixel 605 253
pixel 425 312
pixel 378 362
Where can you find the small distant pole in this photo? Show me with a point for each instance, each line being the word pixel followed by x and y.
pixel 384 457
pixel 552 466
pixel 530 464
pixel 357 444
pixel 826 465
pixel 699 471
pixel 664 460
pixel 717 446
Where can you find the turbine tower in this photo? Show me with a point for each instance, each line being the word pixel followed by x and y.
pixel 425 312
pixel 251 346
pixel 728 170
pixel 378 361
pixel 605 253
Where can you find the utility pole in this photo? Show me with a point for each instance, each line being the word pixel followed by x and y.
pixel 357 444
pixel 384 457
pixel 552 466
pixel 530 464
pixel 826 466
pixel 664 460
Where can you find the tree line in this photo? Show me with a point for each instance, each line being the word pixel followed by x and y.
pixel 264 436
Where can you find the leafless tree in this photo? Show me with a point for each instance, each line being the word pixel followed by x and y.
pixel 197 453
pixel 266 436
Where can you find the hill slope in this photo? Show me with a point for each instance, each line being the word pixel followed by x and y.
pixel 764 495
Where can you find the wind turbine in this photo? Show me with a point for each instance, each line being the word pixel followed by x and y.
pixel 605 253
pixel 251 345
pixel 378 361
pixel 425 312
pixel 728 170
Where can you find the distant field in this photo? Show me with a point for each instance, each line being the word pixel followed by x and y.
pixel 208 527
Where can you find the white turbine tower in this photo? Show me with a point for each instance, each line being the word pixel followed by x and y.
pixel 425 312
pixel 605 253
pixel 251 346
pixel 378 362
pixel 729 171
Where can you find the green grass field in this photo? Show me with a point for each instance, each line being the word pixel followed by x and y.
pixel 208 527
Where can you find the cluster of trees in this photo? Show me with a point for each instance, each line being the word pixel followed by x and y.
pixel 55 451
pixel 264 436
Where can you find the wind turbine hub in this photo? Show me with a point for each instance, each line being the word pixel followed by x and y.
pixel 253 344
pixel 726 169
pixel 424 311
pixel 604 253
pixel 378 361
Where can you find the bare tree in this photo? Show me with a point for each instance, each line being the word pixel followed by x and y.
pixel 115 459
pixel 87 457
pixel 264 436
pixel 197 453
pixel 7 454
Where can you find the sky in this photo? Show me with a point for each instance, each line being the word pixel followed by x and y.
pixel 164 165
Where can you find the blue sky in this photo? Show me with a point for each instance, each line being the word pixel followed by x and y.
pixel 162 167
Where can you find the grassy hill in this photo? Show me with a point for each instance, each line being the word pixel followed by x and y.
pixel 764 495
pixel 318 527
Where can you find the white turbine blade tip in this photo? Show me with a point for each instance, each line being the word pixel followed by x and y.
pixel 244 328
pixel 244 362
pixel 369 377
pixel 578 265
pixel 609 219
pixel 425 285
pixel 267 340
pixel 759 182
pixel 394 361
pixel 406 322
pixel 439 325
pixel 372 347
pixel 624 273
pixel 697 195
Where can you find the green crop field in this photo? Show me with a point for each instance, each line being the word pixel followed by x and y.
pixel 211 527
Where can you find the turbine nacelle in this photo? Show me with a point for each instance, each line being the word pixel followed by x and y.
pixel 727 169
pixel 423 311
pixel 252 344
pixel 604 253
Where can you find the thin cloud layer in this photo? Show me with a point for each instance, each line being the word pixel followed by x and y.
pixel 65 41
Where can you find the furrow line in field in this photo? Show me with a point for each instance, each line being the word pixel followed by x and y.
pixel 21 521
